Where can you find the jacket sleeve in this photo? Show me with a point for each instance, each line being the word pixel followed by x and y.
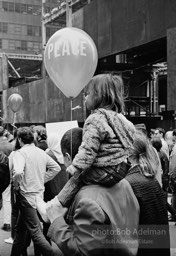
pixel 82 236
pixel 93 134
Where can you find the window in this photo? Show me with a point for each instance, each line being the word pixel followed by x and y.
pixel 36 46
pixel 35 10
pixel 11 44
pixel 4 27
pixel 30 46
pixel 29 9
pixel 18 45
pixel 29 30
pixel 17 8
pixel 0 43
pixel 11 7
pixel 5 6
pixel 18 29
pixel 24 8
pixel 36 31
pixel 24 45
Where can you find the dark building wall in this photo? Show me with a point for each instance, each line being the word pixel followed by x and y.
pixel 38 107
pixel 117 25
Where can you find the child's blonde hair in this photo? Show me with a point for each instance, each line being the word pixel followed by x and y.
pixel 108 91
pixel 144 154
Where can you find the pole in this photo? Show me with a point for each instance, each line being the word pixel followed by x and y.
pixel 43 66
pixel 68 14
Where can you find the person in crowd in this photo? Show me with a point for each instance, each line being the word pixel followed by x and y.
pixel 153 208
pixel 107 137
pixel 6 148
pixel 15 209
pixel 160 132
pixel 157 144
pixel 14 212
pixel 169 140
pixel 141 127
pixel 4 175
pixel 40 136
pixel 29 174
pixel 8 135
pixel 100 221
pixel 152 133
pixel 54 186
pixel 172 172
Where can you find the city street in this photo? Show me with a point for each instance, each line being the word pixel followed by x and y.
pixel 5 249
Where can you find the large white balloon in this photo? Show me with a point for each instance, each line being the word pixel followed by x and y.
pixel 70 59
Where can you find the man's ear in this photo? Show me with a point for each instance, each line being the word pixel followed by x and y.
pixel 69 159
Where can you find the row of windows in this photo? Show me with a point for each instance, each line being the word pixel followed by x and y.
pixel 20 8
pixel 21 45
pixel 19 29
pixel 26 30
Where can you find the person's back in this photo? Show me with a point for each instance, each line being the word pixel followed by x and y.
pixel 36 163
pixel 102 221
pixel 153 221
pixel 151 197
pixel 29 165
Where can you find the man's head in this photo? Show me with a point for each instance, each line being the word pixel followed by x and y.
pixel 70 143
pixel 159 132
pixel 25 135
pixel 39 132
pixel 1 131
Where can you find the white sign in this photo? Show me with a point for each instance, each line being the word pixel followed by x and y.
pixel 60 127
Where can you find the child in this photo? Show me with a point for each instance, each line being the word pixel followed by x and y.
pixel 107 137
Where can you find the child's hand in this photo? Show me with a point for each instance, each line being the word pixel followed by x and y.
pixel 71 170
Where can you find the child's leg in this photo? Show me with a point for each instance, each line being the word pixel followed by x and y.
pixel 106 176
pixel 70 189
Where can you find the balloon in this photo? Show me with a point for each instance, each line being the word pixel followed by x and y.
pixel 15 100
pixel 70 59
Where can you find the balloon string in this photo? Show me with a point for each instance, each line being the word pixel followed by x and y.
pixel 71 102
pixel 14 119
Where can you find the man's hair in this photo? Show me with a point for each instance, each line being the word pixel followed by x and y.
pixel 174 132
pixel 156 143
pixel 71 141
pixel 41 131
pixel 161 130
pixel 25 134
pixel 1 131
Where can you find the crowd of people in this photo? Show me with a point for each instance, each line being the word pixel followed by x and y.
pixel 101 190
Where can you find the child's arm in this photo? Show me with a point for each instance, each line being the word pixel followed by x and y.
pixel 68 192
pixel 94 132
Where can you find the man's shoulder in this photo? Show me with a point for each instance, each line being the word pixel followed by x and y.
pixel 97 192
pixel 32 149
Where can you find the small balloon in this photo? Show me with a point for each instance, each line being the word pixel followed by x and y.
pixel 70 59
pixel 15 101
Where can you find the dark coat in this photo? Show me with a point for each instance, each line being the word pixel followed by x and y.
pixel 153 214
pixel 4 172
pixel 54 186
